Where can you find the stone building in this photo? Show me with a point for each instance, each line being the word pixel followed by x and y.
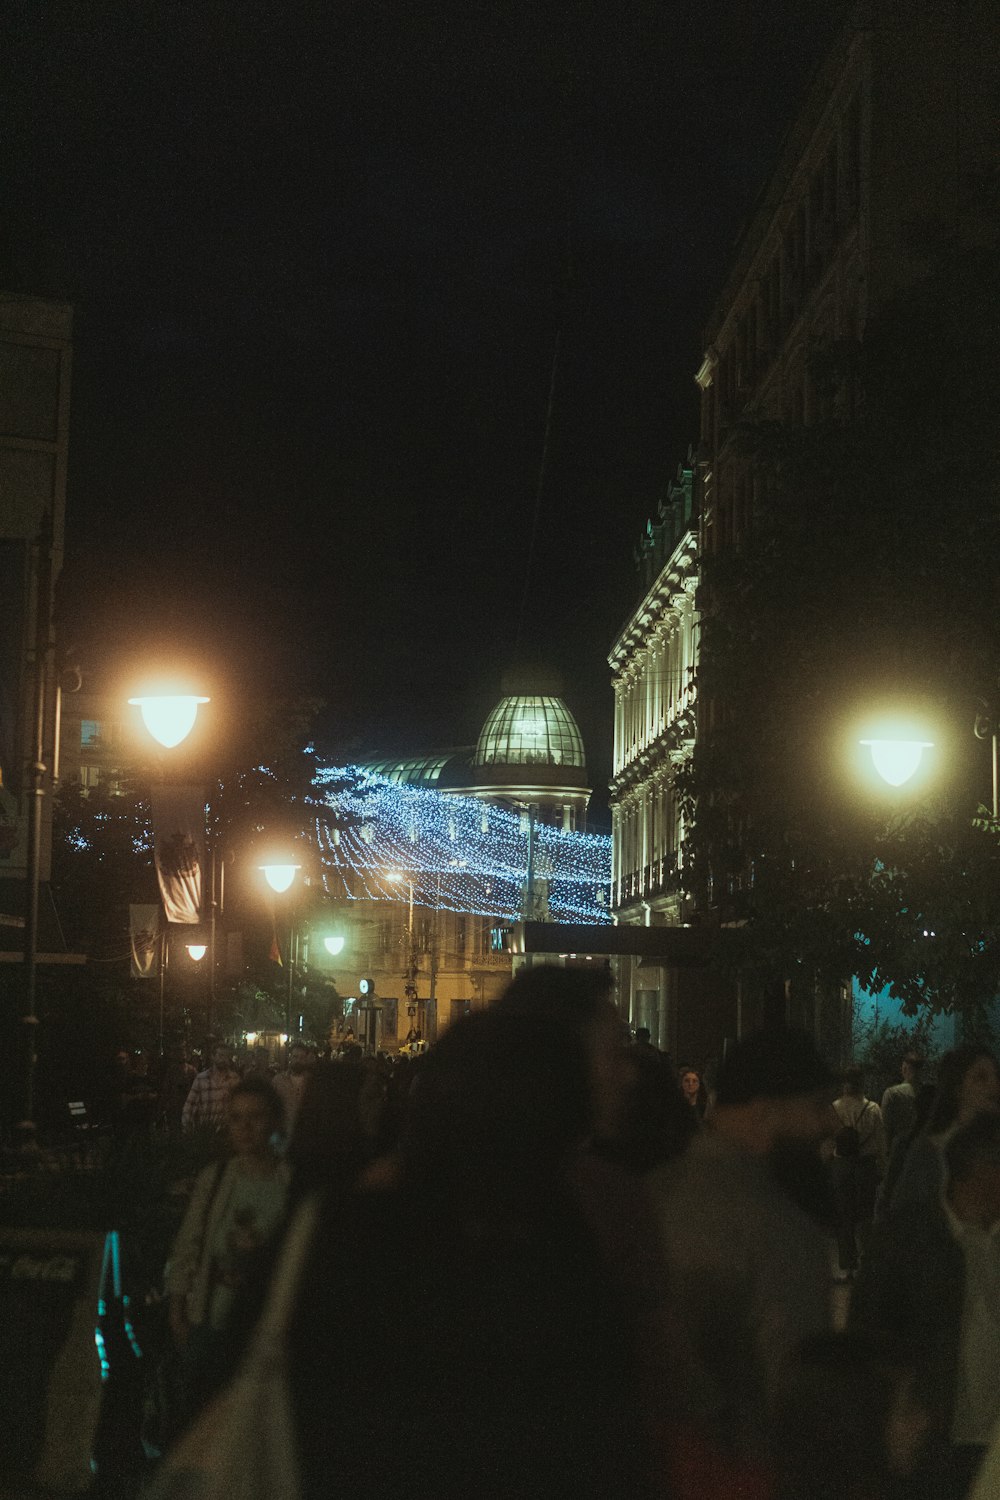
pixel 654 662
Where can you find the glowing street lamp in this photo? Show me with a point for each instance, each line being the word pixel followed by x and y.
pixel 897 761
pixel 279 876
pixel 196 951
pixel 169 717
pixel 334 945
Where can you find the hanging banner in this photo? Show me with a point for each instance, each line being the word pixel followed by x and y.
pixel 144 936
pixel 179 849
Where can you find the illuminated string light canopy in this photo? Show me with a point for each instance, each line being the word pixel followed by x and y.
pixel 461 854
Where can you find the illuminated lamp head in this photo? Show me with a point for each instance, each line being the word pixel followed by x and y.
pixel 334 945
pixel 280 876
pixel 169 717
pixel 897 761
pixel 197 951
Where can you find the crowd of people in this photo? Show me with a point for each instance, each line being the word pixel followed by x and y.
pixel 543 1262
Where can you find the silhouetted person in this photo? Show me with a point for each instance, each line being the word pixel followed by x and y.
pixel 931 1277
pixel 748 1268
pixel 899 1102
pixel 477 1281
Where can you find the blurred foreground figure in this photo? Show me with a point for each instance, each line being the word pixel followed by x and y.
pixel 968 1085
pixel 749 1269
pixel 932 1279
pixel 459 1330
pixel 849 1423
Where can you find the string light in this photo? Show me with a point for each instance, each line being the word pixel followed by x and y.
pixel 459 853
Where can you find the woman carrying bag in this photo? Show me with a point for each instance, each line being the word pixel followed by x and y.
pixel 235 1208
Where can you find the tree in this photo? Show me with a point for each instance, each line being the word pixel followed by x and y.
pixel 868 571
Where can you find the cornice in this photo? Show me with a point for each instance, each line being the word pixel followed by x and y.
pixel 659 603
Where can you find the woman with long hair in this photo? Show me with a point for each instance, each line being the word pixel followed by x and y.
pixel 968 1085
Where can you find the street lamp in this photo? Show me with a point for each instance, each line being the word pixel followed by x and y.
pixel 897 761
pixel 280 875
pixel 412 1002
pixel 334 945
pixel 169 717
pixel 196 951
pixel 898 748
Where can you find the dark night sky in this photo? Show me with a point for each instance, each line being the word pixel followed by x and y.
pixel 320 254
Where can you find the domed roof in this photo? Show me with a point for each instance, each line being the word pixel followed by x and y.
pixel 530 729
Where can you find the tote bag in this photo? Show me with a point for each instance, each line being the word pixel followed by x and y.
pixel 244 1445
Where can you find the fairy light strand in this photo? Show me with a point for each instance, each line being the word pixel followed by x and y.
pixel 459 853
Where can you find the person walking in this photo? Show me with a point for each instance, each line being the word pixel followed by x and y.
pixel 899 1102
pixel 748 1268
pixel 235 1207
pixel 290 1085
pixel 968 1085
pixel 209 1094
pixel 857 1168
pixel 694 1091
pixel 931 1277
pixel 494 1292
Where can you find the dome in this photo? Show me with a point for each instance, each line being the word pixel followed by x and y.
pixel 530 730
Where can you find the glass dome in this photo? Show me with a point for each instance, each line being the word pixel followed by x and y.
pixel 530 731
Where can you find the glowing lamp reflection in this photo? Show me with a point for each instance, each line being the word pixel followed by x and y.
pixel 896 761
pixel 169 719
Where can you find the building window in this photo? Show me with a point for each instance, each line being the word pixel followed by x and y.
pixel 90 732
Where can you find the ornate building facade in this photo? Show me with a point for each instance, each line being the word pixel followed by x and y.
pixel 653 663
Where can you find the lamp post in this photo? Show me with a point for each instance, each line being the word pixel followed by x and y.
pixel 985 727
pixel 169 718
pixel 280 876
pixel 412 999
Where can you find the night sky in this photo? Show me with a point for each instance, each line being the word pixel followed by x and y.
pixel 321 256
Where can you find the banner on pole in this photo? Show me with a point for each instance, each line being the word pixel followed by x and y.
pixel 179 849
pixel 144 934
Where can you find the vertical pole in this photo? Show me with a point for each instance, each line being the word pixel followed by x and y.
pixel 995 807
pixel 163 971
pixel 529 879
pixel 291 975
pixel 211 936
pixel 41 577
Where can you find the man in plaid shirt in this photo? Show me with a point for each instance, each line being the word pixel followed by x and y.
pixel 206 1103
